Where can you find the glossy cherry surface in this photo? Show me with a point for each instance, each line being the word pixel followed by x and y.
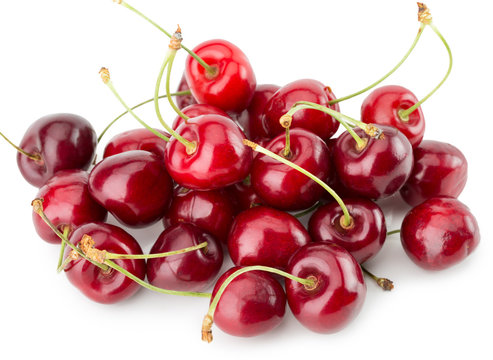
pixel 133 186
pixel 244 196
pixel 63 141
pixel 333 181
pixel 315 121
pixel 191 271
pixel 363 238
pixel 283 187
pixel 252 304
pixel 339 292
pixel 380 169
pixel 196 110
pixel 220 158
pixel 184 100
pixel 66 202
pixel 440 169
pixel 382 107
pixel 439 233
pixel 136 139
pixel 265 236
pixel 233 83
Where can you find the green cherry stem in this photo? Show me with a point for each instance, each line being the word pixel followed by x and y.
pixel 384 283
pixel 393 232
pixel 66 231
pixel 168 78
pixel 309 210
pixel 285 122
pixel 35 157
pixel 110 256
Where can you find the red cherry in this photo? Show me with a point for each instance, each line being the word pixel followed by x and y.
pixel 252 304
pixel 333 181
pixel 110 286
pixel 339 290
pixel 184 100
pixel 440 169
pixel 382 107
pixel 137 139
pixel 232 84
pixel 191 271
pixel 265 236
pixel 63 141
pixel 66 202
pixel 439 233
pixel 133 186
pixel 196 110
pixel 244 196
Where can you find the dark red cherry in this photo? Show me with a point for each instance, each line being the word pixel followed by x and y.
pixel 136 139
pixel 380 169
pixel 184 100
pixel 196 110
pixel 315 121
pixel 244 196
pixel 338 293
pixel 265 236
pixel 133 186
pixel 220 158
pixel 439 233
pixel 252 304
pixel 440 169
pixel 283 187
pixel 63 141
pixel 232 83
pixel 382 107
pixel 211 211
pixel 66 202
pixel 333 181
pixel 106 287
pixel 363 238
pixel 191 271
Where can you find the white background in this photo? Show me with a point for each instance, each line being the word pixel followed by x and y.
pixel 51 52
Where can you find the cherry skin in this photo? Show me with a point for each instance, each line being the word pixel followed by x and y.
pixel 184 100
pixel 220 158
pixel 333 181
pixel 380 169
pixel 136 139
pixel 233 82
pixel 133 186
pixel 363 238
pixel 339 290
pixel 66 202
pixel 106 287
pixel 265 236
pixel 440 169
pixel 252 304
pixel 211 211
pixel 283 187
pixel 63 141
pixel 244 196
pixel 439 233
pixel 315 121
pixel 191 271
pixel 196 110
pixel 382 107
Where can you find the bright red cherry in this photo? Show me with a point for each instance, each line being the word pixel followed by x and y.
pixel 244 196
pixel 191 271
pixel 196 110
pixel 439 233
pixel 252 304
pixel 333 181
pixel 265 236
pixel 230 85
pixel 440 169
pixel 134 186
pixel 339 291
pixel 63 142
pixel 106 287
pixel 66 202
pixel 382 107
pixel 136 139
pixel 219 159
pixel 184 100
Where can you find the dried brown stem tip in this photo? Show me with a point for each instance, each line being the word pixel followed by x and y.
pixel 250 143
pixel 207 328
pixel 286 120
pixel 117 1
pixel 73 255
pixel 385 284
pixel 176 39
pixel 374 132
pixel 86 245
pixel 424 15
pixel 105 74
pixel 37 205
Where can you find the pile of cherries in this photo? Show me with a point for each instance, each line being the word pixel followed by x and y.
pixel 226 177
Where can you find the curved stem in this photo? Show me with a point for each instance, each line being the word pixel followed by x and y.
pixel 66 231
pixel 309 210
pixel 287 147
pixel 168 78
pixel 35 157
pixel 393 232
pixel 159 255
pixel 384 283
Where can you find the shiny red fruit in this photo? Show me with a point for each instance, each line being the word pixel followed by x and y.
pixel 244 196
pixel 196 110
pixel 136 139
pixel 184 100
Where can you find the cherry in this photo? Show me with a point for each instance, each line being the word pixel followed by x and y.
pixel 105 286
pixel 339 290
pixel 265 236
pixel 211 211
pixel 196 110
pixel 218 159
pixel 184 100
pixel 315 121
pixel 191 271
pixel 136 139
pixel 133 186
pixel 244 196
pixel 333 181
pixel 379 169
pixel 363 238
pixel 67 203
pixel 229 83
pixel 440 169
pixel 61 142
pixel 439 233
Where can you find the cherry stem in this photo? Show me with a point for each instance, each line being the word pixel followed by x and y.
pixel 347 217
pixel 420 31
pixel 66 231
pixel 168 78
pixel 393 232
pixel 309 210
pixel 384 283
pixel 202 245
pixel 35 157
pixel 178 93
pixel 64 264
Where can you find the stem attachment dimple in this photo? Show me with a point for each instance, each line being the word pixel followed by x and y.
pixel 34 157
